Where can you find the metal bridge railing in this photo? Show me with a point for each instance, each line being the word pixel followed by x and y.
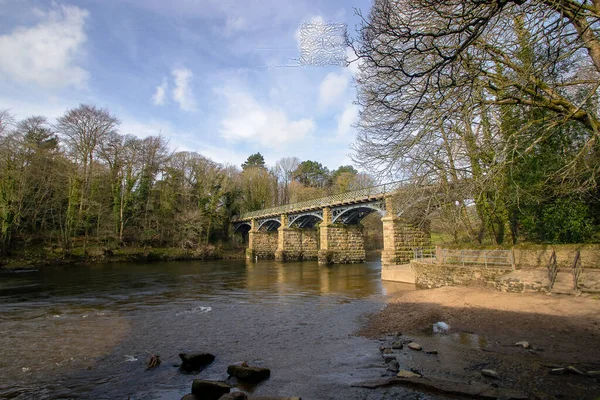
pixel 486 258
pixel 354 195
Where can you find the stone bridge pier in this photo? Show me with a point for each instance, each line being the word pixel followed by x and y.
pixel 339 243
pixel 262 244
pixel 296 244
pixel 401 238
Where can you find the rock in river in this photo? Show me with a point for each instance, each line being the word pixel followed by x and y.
pixel 209 390
pixel 397 345
pixel 249 374
pixel 234 396
pixel 414 346
pixel 393 366
pixel 195 361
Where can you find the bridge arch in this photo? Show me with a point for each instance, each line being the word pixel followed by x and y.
pixel 243 228
pixel 269 224
pixel 305 220
pixel 353 214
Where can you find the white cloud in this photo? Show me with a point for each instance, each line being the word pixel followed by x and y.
pixel 47 53
pixel 182 93
pixel 332 88
pixel 345 120
pixel 248 120
pixel 158 99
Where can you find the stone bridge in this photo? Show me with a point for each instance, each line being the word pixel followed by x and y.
pixel 328 229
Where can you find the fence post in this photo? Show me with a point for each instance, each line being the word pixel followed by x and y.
pixel 485 258
pixel 462 256
pixel 512 258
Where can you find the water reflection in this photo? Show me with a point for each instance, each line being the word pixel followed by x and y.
pixel 69 331
pixel 350 281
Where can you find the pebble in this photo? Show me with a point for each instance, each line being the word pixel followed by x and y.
pixel 414 346
pixel 397 345
pixel 524 344
pixel 389 357
pixel 431 352
pixel 407 374
pixel 490 373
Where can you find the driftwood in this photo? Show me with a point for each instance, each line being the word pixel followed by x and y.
pixel 475 389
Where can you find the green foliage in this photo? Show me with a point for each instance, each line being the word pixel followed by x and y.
pixel 254 160
pixel 565 220
pixel 312 174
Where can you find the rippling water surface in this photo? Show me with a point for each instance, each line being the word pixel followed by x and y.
pixel 86 331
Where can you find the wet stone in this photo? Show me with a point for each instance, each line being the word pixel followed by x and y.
pixel 387 351
pixel 397 345
pixel 393 366
pixel 209 390
pixel 249 374
pixel 389 357
pixel 434 352
pixel 234 396
pixel 191 362
pixel 414 346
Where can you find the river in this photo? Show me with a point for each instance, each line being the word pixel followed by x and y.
pixel 86 331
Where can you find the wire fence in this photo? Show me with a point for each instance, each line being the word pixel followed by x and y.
pixel 485 258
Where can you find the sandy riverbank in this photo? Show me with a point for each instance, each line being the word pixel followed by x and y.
pixel 486 324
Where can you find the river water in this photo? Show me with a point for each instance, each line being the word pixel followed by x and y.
pixel 86 331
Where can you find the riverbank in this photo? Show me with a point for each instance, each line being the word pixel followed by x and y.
pixel 41 257
pixel 485 326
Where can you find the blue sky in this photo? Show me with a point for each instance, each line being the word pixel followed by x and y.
pixel 214 76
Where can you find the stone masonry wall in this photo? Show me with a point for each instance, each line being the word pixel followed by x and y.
pixel 438 275
pixel 296 244
pixel 341 244
pixel 264 245
pixel 565 254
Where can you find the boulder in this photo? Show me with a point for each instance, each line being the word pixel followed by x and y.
pixel 209 390
pixel 189 396
pixel 249 374
pixel 191 362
